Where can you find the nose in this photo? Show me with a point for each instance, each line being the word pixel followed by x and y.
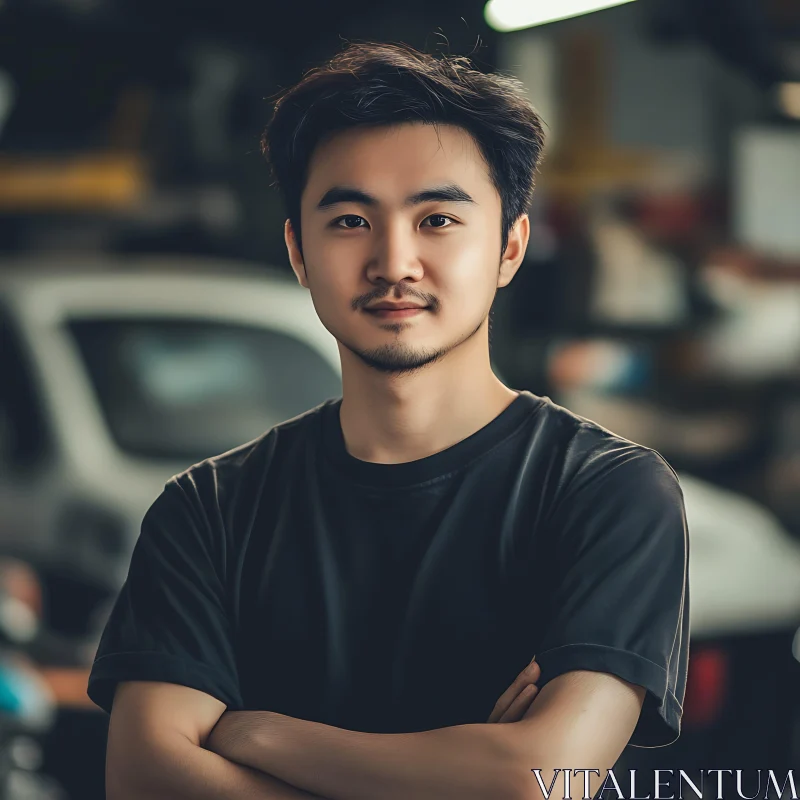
pixel 395 257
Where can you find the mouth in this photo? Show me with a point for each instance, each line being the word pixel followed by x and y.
pixel 397 313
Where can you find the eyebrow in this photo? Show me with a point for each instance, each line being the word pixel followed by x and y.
pixel 450 193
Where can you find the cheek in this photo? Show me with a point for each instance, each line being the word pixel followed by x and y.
pixel 468 246
pixel 332 273
pixel 467 269
pixel 332 292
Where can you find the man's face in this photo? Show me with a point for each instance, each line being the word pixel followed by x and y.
pixel 400 215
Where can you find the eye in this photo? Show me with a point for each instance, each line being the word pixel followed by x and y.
pixel 347 218
pixel 441 218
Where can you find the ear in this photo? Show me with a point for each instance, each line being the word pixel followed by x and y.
pixel 515 250
pixel 295 256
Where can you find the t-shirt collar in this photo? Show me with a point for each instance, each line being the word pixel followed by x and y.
pixel 431 467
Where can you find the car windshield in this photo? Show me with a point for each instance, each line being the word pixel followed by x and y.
pixel 181 389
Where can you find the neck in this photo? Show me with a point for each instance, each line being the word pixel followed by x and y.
pixel 393 419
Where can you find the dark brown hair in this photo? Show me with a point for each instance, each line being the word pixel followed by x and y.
pixel 373 84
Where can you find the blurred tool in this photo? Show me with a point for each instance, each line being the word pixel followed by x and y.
pixel 27 705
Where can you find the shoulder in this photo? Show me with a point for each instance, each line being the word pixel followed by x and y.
pixel 597 480
pixel 221 479
pixel 618 502
pixel 590 453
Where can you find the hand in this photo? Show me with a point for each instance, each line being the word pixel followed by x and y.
pixel 515 701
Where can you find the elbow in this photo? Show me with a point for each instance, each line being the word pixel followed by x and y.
pixel 116 786
pixel 514 780
pixel 120 787
pixel 520 757
pixel 525 787
pixel 118 790
pixel 126 782
pixel 519 790
pixel 551 783
pixel 128 790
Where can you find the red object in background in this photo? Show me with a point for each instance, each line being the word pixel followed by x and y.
pixel 19 580
pixel 681 216
pixel 706 686
pixel 672 216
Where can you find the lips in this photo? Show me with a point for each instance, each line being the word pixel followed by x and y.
pixel 395 312
pixel 397 307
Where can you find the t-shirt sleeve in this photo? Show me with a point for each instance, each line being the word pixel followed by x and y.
pixel 620 603
pixel 170 622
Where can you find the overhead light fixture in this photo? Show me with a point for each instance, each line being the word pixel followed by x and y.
pixel 513 15
pixel 789 99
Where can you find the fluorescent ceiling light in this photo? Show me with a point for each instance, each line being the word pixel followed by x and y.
pixel 513 15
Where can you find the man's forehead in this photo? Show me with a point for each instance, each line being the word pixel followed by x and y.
pixel 439 134
pixel 397 163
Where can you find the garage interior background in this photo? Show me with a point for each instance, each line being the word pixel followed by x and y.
pixel 660 296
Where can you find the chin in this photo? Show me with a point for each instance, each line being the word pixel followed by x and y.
pixel 398 358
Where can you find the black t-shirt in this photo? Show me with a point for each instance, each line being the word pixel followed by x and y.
pixel 287 575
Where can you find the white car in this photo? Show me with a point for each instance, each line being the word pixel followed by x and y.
pixel 115 375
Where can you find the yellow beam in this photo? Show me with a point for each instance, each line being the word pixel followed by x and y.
pixel 94 181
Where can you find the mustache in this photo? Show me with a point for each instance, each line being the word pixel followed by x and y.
pixel 381 294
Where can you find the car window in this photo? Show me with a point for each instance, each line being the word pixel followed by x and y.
pixel 23 437
pixel 193 389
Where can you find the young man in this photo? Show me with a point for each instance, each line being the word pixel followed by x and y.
pixel 357 588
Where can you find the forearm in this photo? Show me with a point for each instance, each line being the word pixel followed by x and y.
pixel 465 761
pixel 181 770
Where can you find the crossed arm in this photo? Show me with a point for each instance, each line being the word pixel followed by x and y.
pixel 579 721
